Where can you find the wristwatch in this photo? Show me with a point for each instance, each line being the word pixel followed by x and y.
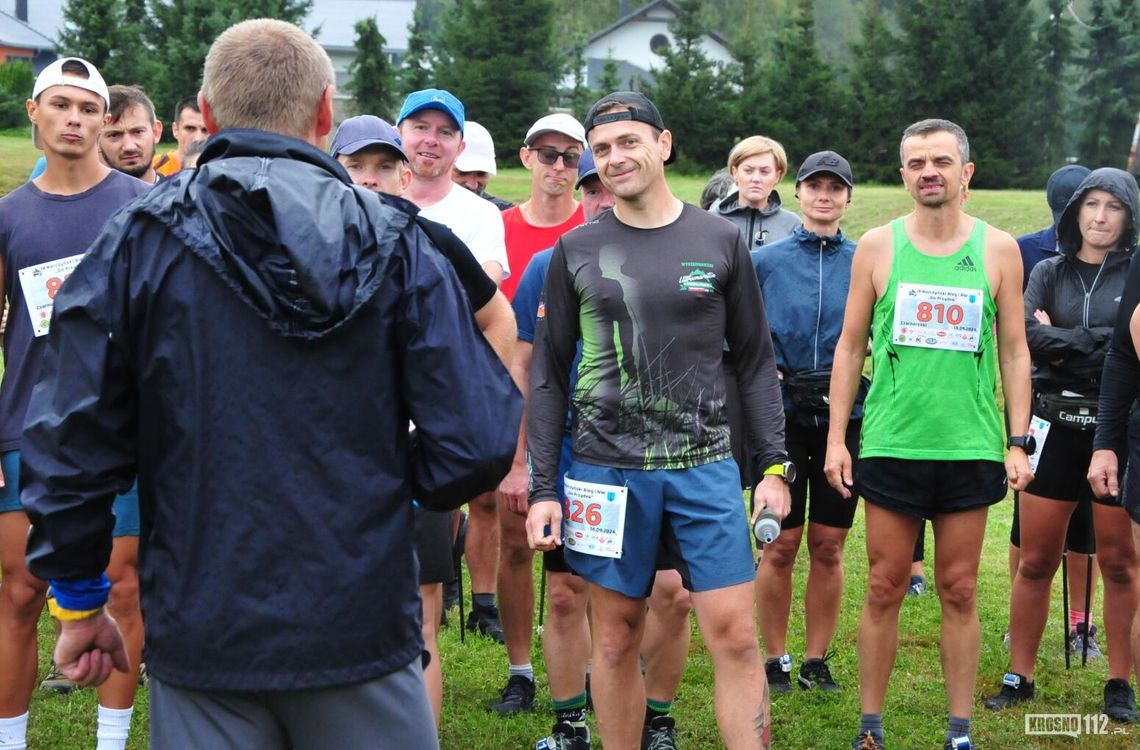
pixel 1027 443
pixel 785 470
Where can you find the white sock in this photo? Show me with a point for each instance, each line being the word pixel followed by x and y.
pixel 14 732
pixel 521 670
pixel 114 727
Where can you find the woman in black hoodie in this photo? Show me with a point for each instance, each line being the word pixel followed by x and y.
pixel 1071 306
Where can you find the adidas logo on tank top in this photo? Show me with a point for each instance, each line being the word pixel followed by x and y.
pixel 966 264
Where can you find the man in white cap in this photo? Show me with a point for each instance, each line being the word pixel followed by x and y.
pixel 475 166
pixel 550 151
pixel 46 226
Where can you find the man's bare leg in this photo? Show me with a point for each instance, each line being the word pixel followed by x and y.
pixel 481 545
pixel 566 636
pixel 957 553
pixel 1118 563
pixel 774 590
pixel 619 691
pixel 665 646
pixel 431 594
pixel 21 601
pixel 1136 617
pixel 515 585
pixel 887 580
pixel 743 712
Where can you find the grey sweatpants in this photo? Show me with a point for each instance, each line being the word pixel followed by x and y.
pixel 388 712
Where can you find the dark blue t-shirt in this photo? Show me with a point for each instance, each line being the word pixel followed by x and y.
pixel 35 228
pixel 1035 248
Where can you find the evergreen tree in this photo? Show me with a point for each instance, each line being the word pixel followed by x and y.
pixel 109 34
pixel 16 82
pixel 182 31
pixel 801 96
pixel 580 97
pixel 694 94
pixel 1112 70
pixel 875 117
pixel 610 80
pixel 499 57
pixel 371 72
pixel 1055 49
pixel 415 73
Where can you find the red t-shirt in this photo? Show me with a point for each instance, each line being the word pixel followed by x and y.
pixel 524 240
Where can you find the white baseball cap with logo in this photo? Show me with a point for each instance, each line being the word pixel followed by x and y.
pixel 54 75
pixel 479 153
pixel 556 123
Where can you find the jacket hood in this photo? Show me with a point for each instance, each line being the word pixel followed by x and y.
pixel 730 203
pixel 1122 186
pixel 282 224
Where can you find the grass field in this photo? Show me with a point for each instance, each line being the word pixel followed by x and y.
pixel 915 711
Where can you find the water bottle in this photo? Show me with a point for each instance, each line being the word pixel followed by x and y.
pixel 767 526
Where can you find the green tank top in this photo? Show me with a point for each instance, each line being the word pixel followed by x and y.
pixel 933 394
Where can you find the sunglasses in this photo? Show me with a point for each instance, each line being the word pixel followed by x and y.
pixel 549 156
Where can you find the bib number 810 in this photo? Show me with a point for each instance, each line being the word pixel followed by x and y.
pixel 954 314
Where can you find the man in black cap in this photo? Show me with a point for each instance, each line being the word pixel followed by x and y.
pixel 652 481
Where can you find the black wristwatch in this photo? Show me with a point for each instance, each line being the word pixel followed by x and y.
pixel 1027 443
pixel 785 470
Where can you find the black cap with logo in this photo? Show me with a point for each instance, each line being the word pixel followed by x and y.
pixel 826 161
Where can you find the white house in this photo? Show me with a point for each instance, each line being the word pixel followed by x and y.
pixel 634 42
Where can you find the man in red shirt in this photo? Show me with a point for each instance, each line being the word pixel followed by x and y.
pixel 550 151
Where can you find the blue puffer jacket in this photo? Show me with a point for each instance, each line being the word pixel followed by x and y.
pixel 804 279
pixel 250 339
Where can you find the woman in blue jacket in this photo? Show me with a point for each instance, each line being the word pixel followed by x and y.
pixel 804 279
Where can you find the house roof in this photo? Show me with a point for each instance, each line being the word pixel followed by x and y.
pixel 642 14
pixel 336 18
pixel 16 33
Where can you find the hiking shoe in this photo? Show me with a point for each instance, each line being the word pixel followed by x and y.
pixel 486 621
pixel 56 682
pixel 660 734
pixel 917 586
pixel 779 672
pixel 1014 690
pixel 1120 701
pixel 1077 640
pixel 814 673
pixel 867 741
pixel 565 736
pixel 517 697
pixel 958 743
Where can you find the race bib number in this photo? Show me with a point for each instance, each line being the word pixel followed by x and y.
pixel 1038 430
pixel 937 317
pixel 593 517
pixel 40 283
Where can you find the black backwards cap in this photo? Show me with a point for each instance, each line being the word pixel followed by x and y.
pixel 640 109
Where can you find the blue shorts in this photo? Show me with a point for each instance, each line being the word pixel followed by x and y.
pixel 690 520
pixel 126 505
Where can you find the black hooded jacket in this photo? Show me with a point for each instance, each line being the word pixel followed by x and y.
pixel 251 340
pixel 1069 353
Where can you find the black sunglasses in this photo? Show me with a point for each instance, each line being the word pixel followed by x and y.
pixel 549 156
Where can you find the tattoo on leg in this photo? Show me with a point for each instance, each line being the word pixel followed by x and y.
pixel 764 720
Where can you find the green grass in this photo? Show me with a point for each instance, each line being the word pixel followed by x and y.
pixel 915 712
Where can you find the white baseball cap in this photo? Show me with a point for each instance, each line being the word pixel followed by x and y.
pixel 556 123
pixel 53 75
pixel 479 153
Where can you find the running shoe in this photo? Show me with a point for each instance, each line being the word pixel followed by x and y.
pixel 814 673
pixel 56 682
pixel 660 734
pixel 485 620
pixel 917 586
pixel 1014 690
pixel 1120 701
pixel 958 743
pixel 779 672
pixel 517 697
pixel 867 741
pixel 1077 640
pixel 565 737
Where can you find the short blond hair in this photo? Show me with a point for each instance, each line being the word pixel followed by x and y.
pixel 268 75
pixel 755 145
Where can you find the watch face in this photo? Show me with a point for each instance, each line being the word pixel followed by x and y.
pixel 789 471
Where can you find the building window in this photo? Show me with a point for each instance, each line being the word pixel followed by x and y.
pixel 658 44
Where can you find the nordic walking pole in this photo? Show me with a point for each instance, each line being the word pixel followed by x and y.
pixel 1065 599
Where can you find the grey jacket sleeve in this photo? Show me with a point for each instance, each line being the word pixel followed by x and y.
pixel 1054 342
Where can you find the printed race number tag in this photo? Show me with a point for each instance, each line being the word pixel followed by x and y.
pixel 1038 430
pixel 937 317
pixel 40 283
pixel 593 517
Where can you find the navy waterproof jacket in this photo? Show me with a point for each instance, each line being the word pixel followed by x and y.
pixel 251 340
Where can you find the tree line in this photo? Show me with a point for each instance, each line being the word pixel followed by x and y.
pixel 1031 88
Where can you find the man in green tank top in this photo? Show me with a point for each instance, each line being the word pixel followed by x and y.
pixel 927 289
